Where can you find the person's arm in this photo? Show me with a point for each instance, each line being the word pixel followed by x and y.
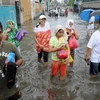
pixel 35 39
pixel 18 58
pixel 92 19
pixel 53 49
pixel 5 35
pixel 68 49
pixel 91 22
pixel 88 53
pixel 19 62
pixel 76 35
pixel 67 46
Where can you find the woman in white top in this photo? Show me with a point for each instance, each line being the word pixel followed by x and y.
pixel 42 34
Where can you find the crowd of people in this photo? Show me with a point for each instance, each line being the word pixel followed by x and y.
pixel 61 41
pixel 46 44
pixel 58 12
pixel 61 46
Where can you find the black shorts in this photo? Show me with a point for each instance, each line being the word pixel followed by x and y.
pixel 16 96
pixel 56 15
pixel 94 68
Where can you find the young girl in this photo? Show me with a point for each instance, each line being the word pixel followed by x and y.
pixel 57 65
pixel 10 32
pixel 70 30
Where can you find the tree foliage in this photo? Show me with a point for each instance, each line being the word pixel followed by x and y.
pixel 71 2
pixel 50 0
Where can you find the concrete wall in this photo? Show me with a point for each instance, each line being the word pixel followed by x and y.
pixel 92 4
pixel 37 8
pixel 31 9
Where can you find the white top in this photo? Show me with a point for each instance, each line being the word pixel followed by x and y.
pixel 91 26
pixel 56 11
pixel 94 44
pixel 42 29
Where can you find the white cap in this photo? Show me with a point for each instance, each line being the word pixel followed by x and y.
pixel 42 16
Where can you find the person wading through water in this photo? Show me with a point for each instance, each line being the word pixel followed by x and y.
pixel 42 34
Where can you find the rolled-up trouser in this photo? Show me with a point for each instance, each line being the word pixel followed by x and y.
pixel 57 66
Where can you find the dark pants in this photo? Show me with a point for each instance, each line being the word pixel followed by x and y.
pixel 72 53
pixel 45 55
pixel 94 68
pixel 16 96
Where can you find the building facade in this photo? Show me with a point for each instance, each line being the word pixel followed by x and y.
pixel 7 11
pixel 23 10
pixel 26 10
pixel 94 4
pixel 37 8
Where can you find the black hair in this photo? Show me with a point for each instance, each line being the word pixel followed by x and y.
pixel 1 26
pixel 38 24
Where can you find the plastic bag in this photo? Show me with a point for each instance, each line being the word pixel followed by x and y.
pixel 62 54
pixel 72 43
pixel 20 33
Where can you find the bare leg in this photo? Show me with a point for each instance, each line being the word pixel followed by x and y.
pixel 62 78
pixel 71 64
pixel 92 76
pixel 45 64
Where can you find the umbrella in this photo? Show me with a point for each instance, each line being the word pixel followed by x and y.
pixel 96 13
pixel 85 15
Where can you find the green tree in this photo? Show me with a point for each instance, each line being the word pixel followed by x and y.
pixel 50 0
pixel 71 2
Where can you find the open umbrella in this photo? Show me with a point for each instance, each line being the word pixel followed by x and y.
pixel 96 13
pixel 86 14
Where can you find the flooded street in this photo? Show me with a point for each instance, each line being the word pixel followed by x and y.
pixel 34 79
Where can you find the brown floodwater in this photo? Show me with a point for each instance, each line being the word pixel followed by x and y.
pixel 34 79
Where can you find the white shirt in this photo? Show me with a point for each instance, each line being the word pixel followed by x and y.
pixel 42 29
pixel 56 11
pixel 91 26
pixel 94 44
